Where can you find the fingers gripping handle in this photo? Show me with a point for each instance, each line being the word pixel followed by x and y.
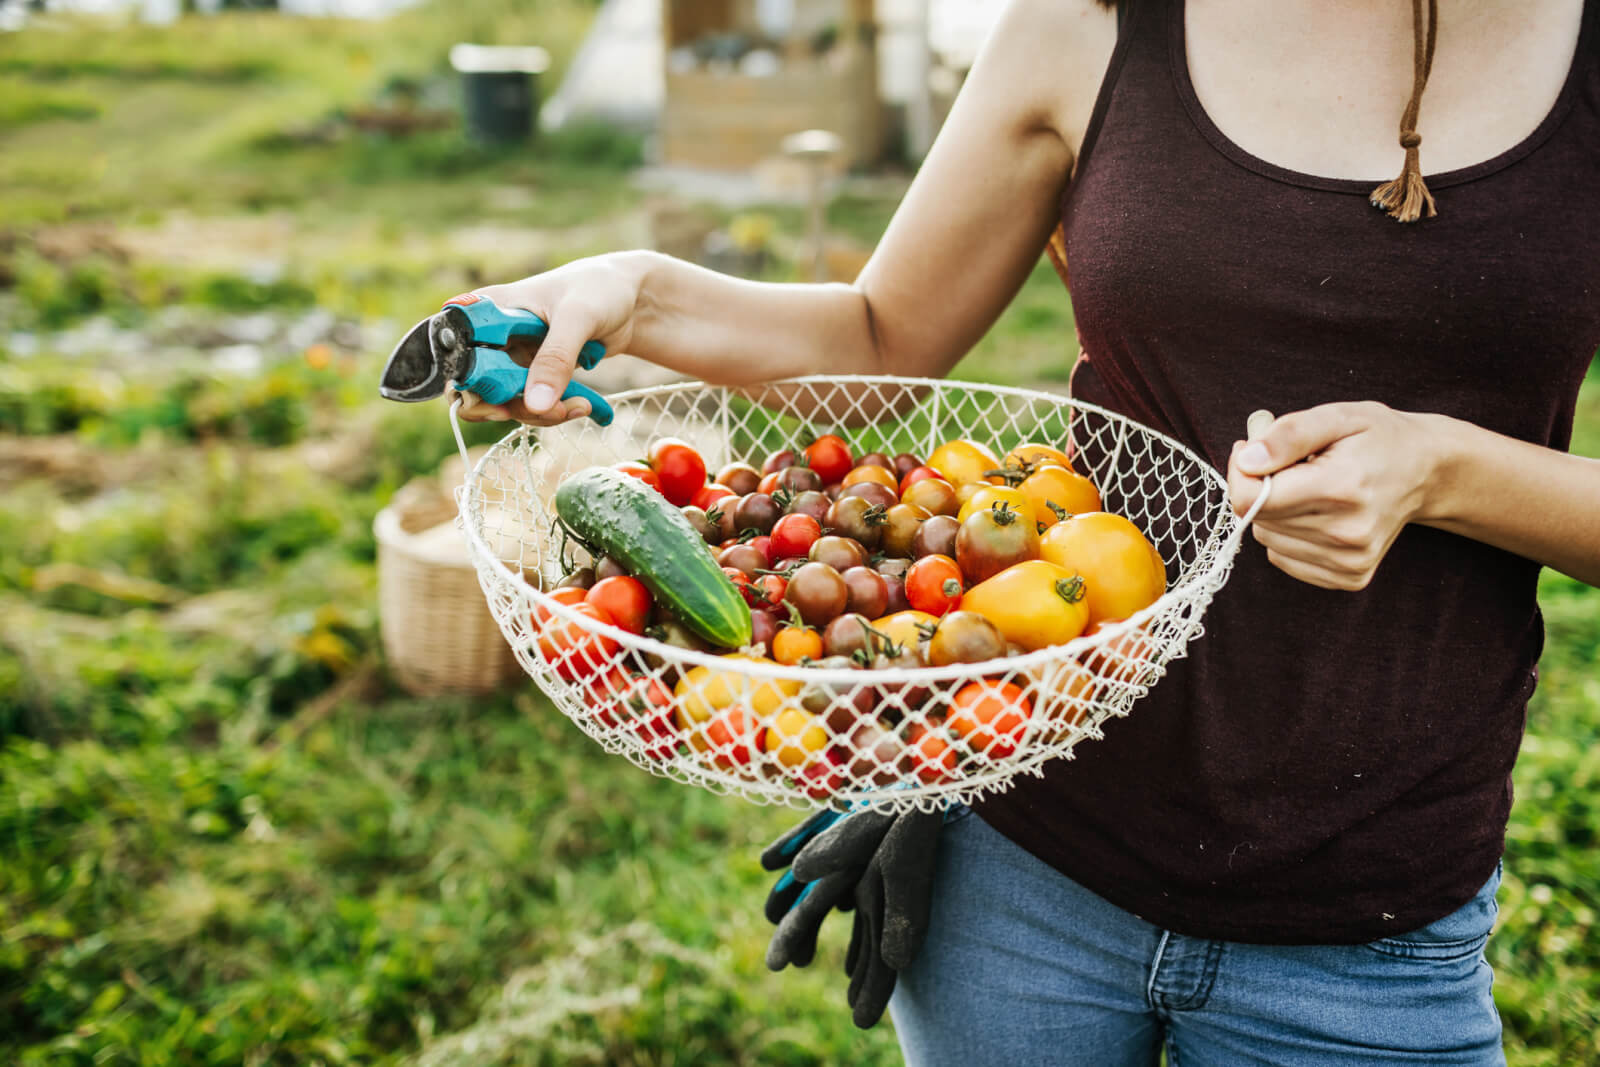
pixel 1255 427
pixel 497 378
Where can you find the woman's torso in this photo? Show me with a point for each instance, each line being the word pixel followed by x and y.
pixel 1325 766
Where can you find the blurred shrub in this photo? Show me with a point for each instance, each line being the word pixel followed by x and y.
pixel 22 102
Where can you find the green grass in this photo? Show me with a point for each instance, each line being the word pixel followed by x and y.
pixel 226 835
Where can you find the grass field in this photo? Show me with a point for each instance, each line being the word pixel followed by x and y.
pixel 225 835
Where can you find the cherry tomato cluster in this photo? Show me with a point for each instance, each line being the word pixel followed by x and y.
pixel 859 563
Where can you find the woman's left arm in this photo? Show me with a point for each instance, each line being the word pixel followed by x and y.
pixel 1347 478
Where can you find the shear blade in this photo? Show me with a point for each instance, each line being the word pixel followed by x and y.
pixel 413 373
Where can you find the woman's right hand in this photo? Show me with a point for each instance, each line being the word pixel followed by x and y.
pixel 588 299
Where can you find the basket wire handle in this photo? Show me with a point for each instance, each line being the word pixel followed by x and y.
pixel 1259 422
pixel 455 424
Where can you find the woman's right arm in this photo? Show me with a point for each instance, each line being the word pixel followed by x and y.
pixel 969 230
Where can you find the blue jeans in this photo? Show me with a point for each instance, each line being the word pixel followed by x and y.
pixel 1024 966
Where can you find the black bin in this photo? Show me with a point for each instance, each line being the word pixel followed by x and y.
pixel 500 89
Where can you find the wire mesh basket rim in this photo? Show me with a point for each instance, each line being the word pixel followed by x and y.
pixel 1231 529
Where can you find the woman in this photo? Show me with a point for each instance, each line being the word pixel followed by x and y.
pixel 1289 854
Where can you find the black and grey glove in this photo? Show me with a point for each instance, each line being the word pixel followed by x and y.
pixel 883 866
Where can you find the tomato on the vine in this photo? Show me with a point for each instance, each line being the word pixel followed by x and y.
pixel 679 468
pixel 575 652
pixel 766 592
pixel 625 599
pixel 933 585
pixel 830 457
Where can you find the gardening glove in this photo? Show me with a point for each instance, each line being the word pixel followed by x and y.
pixel 838 855
pixel 788 889
pixel 893 902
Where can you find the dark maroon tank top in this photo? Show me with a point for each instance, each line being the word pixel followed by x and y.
pixel 1323 766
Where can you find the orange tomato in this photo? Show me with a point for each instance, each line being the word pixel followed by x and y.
pixel 904 627
pixel 965 460
pixel 990 717
pixel 1117 562
pixel 1034 603
pixel 1056 492
pixel 792 644
pixel 869 473
pixel 929 752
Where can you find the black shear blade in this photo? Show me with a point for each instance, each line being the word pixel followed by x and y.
pixel 413 373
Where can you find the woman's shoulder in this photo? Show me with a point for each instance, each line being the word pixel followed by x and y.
pixel 1057 51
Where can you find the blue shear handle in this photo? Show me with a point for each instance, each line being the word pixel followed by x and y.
pixel 498 380
pixel 495 325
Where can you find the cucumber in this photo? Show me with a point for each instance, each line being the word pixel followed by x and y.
pixel 635 525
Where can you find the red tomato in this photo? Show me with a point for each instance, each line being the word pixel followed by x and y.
pixel 917 474
pixel 625 599
pixel 740 580
pixel 767 592
pixel 681 470
pixel 830 457
pixel 793 535
pixel 646 706
pixel 568 595
pixel 768 483
pixel 733 736
pixel 575 652
pixel 710 493
pixel 933 584
pixel 762 543
pixel 640 471
pixel 602 690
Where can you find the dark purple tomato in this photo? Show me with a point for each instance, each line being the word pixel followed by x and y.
pixel 848 635
pixel 853 517
pixel 763 628
pixel 873 493
pixel 778 461
pixel 818 592
pixel 869 592
pixel 902 521
pixel 877 459
pixel 582 578
pixel 799 479
pixel 993 539
pixel 747 558
pixel 740 477
pixel 721 516
pixel 965 637
pixel 897 593
pixel 905 463
pixel 841 706
pixel 840 553
pixel 606 567
pixel 810 502
pixel 936 537
pixel 833 489
pixel 702 525
pixel 756 511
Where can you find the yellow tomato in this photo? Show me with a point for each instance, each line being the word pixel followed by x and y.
pixel 963 461
pixel 1056 491
pixel 902 626
pixel 1032 455
pixel 704 691
pixel 1034 603
pixel 967 490
pixel 989 495
pixel 1119 566
pixel 796 736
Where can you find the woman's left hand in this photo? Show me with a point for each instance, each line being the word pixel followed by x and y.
pixel 1346 478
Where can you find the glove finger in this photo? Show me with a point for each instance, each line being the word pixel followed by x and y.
pixel 859 937
pixel 868 1005
pixel 785 892
pixel 795 940
pixel 781 852
pixel 908 858
pixel 848 843
pixel 871 980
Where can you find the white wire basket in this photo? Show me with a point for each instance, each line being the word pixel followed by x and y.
pixel 892 739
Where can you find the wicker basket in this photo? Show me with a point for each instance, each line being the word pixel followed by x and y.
pixel 438 633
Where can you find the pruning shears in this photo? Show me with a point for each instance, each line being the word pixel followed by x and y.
pixel 468 344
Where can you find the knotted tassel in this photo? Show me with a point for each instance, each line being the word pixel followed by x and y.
pixel 1407 196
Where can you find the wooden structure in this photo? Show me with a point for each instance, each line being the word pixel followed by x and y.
pixel 722 112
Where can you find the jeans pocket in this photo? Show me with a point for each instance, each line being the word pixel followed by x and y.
pixel 1461 934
